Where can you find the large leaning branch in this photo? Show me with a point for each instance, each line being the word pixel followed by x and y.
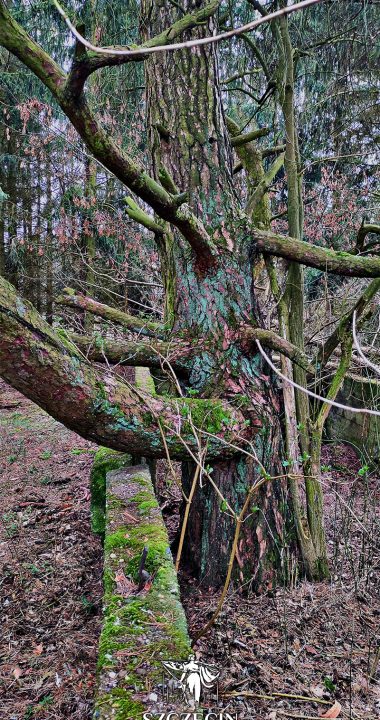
pixel 177 351
pixel 270 339
pixel 77 301
pixel 338 263
pixel 47 369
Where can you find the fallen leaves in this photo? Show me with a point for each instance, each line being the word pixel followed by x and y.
pixel 17 672
pixel 333 712
pixel 48 643
pixel 124 586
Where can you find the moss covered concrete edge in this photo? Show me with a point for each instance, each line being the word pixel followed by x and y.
pixel 140 629
pixel 105 460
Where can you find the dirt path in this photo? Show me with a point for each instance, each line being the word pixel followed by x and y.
pixel 50 577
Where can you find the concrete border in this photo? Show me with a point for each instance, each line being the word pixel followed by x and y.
pixel 141 627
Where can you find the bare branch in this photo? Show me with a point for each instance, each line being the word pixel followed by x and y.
pixel 364 230
pixel 358 347
pixel 238 140
pixel 266 152
pixel 325 352
pixel 135 213
pixel 265 183
pixel 338 263
pixel 145 50
pixel 275 342
pixel 134 353
pixel 70 298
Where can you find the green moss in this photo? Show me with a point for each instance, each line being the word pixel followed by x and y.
pixel 105 460
pixel 108 581
pixel 122 706
pixel 139 630
pixel 156 552
pixel 115 503
pixel 210 416
pixel 144 380
pixel 117 539
pixel 147 506
pixel 145 502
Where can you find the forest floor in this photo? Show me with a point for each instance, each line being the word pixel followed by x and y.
pixel 320 640
pixel 50 567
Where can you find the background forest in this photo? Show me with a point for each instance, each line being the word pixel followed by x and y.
pixel 252 217
pixel 61 211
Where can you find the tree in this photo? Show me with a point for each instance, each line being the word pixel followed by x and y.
pixel 223 407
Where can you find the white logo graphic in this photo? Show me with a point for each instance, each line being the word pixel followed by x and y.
pixel 191 676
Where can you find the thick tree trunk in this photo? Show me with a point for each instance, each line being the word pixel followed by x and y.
pixel 191 153
pixel 49 247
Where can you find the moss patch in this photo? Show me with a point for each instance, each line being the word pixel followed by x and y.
pixel 104 461
pixel 140 628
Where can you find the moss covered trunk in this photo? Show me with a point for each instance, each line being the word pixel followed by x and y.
pixel 206 303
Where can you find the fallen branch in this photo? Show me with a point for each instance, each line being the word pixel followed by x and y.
pixel 134 354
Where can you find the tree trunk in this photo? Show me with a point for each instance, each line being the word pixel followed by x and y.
pixel 49 246
pixel 191 153
pixel 317 562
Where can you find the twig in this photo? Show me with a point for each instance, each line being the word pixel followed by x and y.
pixel 186 516
pixel 144 50
pixel 299 717
pixel 300 698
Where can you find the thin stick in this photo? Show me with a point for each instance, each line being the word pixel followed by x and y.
pixel 231 561
pixel 300 698
pixel 299 717
pixel 141 51
pixel 186 516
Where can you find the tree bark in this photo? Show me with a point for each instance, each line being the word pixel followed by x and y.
pixel 190 149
